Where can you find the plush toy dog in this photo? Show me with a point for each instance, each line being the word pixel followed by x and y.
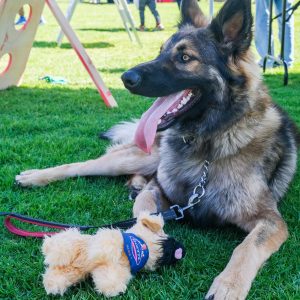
pixel 111 256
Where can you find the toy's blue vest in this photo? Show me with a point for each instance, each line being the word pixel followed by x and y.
pixel 136 251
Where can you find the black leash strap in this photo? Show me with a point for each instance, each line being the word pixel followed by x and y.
pixel 167 216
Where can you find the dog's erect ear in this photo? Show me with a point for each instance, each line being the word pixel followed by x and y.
pixel 152 222
pixel 232 27
pixel 192 14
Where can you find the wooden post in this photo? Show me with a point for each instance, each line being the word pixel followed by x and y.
pixel 82 54
pixel 17 43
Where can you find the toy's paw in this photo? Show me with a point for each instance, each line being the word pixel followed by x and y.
pixel 113 290
pixel 55 284
pixel 111 281
pixel 32 178
pixel 226 288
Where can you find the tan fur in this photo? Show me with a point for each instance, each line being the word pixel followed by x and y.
pixel 235 280
pixel 71 256
pixel 119 160
pixel 150 199
pixel 137 182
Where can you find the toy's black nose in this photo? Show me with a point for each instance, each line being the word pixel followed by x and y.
pixel 131 79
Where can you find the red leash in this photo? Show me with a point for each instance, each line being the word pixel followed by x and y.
pixel 21 232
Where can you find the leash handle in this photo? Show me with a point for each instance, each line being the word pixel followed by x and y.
pixel 47 224
pixel 25 233
pixel 21 232
pixel 37 222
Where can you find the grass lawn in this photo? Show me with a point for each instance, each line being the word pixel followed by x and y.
pixel 43 125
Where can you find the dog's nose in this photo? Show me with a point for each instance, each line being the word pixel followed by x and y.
pixel 131 79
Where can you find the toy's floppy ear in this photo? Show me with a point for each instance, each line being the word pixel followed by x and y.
pixel 192 14
pixel 152 222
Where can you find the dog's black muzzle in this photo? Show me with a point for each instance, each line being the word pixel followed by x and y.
pixel 131 79
pixel 147 79
pixel 153 79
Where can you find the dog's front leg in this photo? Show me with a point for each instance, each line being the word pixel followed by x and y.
pixel 151 199
pixel 122 160
pixel 267 234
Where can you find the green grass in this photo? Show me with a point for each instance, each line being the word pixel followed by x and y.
pixel 42 125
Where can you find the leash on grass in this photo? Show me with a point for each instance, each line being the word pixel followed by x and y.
pixel 175 212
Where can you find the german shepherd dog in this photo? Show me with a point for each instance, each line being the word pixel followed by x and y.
pixel 212 106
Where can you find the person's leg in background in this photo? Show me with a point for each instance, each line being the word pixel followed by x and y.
pixel 152 6
pixel 142 5
pixel 289 31
pixel 262 14
pixel 22 19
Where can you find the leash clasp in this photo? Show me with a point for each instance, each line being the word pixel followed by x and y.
pixel 179 211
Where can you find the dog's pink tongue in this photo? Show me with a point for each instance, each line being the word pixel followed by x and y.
pixel 146 130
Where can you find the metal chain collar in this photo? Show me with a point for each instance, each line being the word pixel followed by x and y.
pixel 198 193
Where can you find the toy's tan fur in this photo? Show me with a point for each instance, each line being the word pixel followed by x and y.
pixel 71 256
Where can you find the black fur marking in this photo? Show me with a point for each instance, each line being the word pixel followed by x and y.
pixel 133 193
pixel 287 135
pixel 103 136
pixel 262 237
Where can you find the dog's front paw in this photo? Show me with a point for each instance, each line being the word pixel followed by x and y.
pixel 32 178
pixel 227 288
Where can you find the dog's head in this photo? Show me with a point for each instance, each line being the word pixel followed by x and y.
pixel 163 249
pixel 196 65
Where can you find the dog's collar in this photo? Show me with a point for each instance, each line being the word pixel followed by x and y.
pixel 136 250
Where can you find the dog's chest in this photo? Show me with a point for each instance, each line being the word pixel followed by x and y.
pixel 232 188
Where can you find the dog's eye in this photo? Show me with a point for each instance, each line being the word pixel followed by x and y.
pixel 185 58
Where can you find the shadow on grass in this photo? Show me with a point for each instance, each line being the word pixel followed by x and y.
pixel 113 70
pixel 147 30
pixel 67 99
pixel 103 2
pixel 43 44
pixel 276 80
pixel 103 29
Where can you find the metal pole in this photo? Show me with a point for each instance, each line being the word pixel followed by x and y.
pixel 70 12
pixel 269 54
pixel 285 81
pixel 211 8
